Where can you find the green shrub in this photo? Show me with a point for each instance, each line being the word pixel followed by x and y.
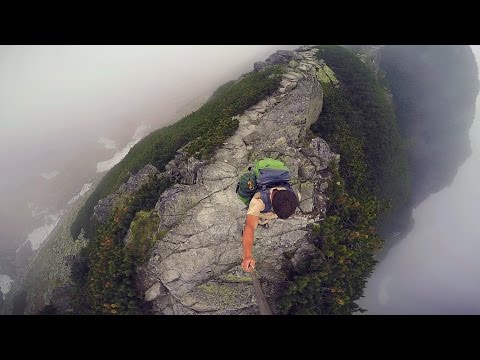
pixel 359 123
pixel 104 274
pixel 347 240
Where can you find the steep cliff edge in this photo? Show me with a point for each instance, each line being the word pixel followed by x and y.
pixel 434 90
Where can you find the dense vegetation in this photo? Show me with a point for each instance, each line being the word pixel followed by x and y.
pixel 346 240
pixel 206 128
pixel 359 123
pixel 104 274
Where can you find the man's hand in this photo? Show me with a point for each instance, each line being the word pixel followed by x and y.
pixel 248 264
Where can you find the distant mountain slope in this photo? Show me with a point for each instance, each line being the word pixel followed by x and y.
pixel 434 91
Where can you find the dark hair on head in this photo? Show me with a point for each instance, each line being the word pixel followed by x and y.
pixel 284 203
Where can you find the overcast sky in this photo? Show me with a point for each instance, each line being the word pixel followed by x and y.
pixel 435 269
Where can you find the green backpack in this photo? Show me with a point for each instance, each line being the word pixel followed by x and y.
pixel 265 174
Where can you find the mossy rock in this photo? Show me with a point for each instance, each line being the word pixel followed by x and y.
pixel 331 75
pixel 322 76
pixel 221 295
pixel 293 64
pixel 143 233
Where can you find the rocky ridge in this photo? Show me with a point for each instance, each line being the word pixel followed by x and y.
pixel 194 268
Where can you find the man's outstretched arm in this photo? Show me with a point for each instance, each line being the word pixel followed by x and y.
pixel 248 234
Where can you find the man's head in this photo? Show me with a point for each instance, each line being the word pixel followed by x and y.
pixel 284 203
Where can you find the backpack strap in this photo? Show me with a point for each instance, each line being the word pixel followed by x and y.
pixel 265 196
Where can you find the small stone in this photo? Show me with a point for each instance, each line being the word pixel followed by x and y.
pixel 323 186
pixel 155 291
pixel 291 86
pixel 297 57
pixel 168 311
pixel 253 115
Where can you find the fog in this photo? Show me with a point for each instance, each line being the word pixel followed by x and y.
pixel 435 269
pixel 69 113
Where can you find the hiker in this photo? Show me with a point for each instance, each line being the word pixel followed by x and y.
pixel 267 192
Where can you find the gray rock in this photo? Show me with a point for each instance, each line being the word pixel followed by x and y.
pixel 135 182
pixel 319 164
pixel 183 169
pixel 304 67
pixel 307 192
pixel 261 105
pixel 324 186
pixel 155 291
pixel 276 59
pixel 286 53
pixel 306 189
pixel 251 138
pixel 319 153
pixel 313 63
pixel 252 115
pixel 315 105
pixel 293 75
pixel 302 256
pixel 297 57
pixel 306 171
pixel 259 66
pixel 288 84
pixel 304 48
pixel 168 311
pixel 104 208
pixel 271 101
pixel 255 120
pixel 167 205
pixel 306 206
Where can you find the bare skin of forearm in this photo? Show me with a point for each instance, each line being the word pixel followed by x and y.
pixel 248 241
